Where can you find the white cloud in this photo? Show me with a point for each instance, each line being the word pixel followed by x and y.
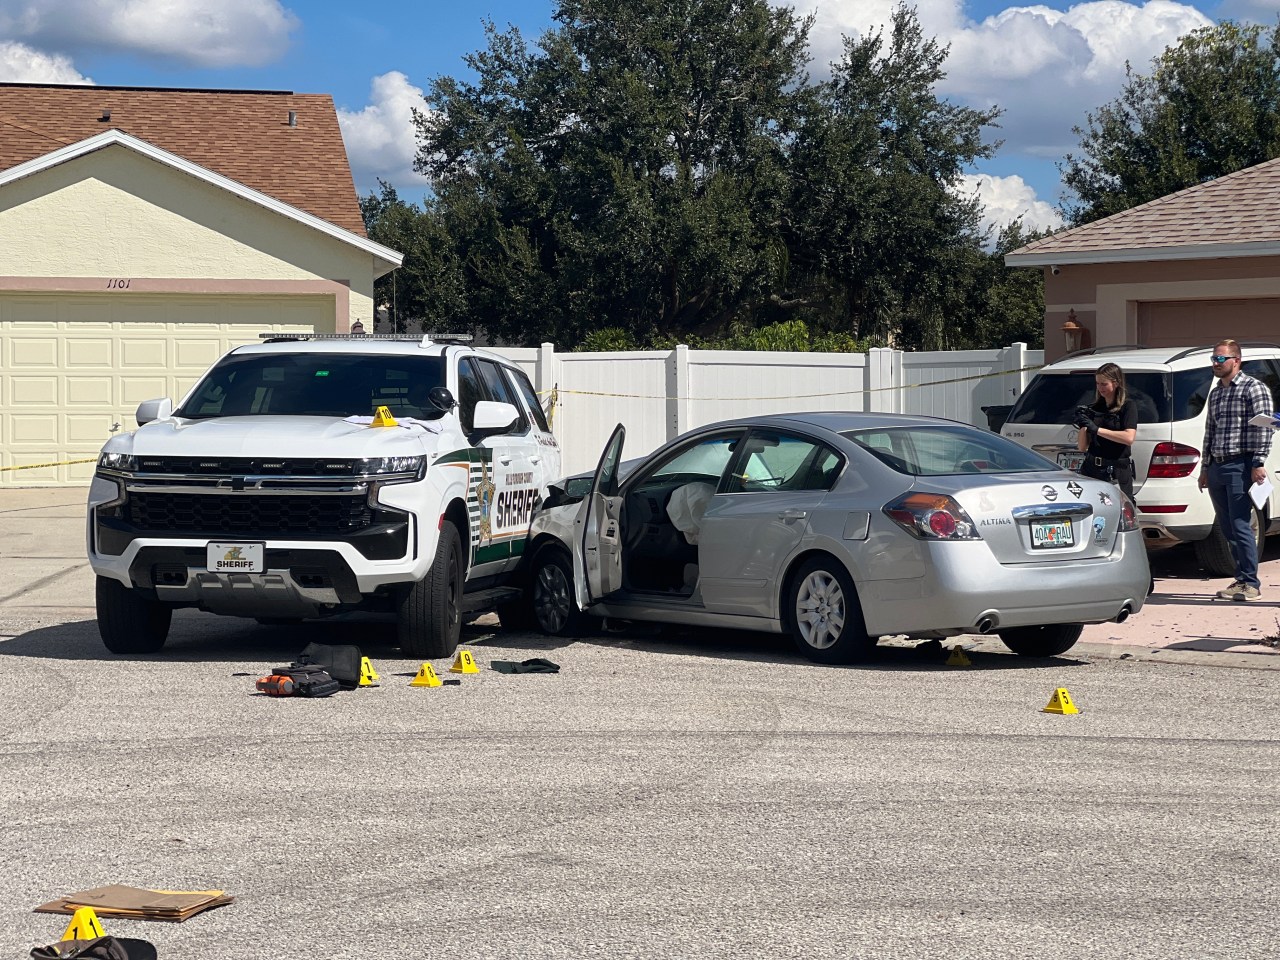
pixel 380 138
pixel 22 64
pixel 1005 199
pixel 206 33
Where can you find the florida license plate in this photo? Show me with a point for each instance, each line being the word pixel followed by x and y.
pixel 235 557
pixel 1070 461
pixel 1047 534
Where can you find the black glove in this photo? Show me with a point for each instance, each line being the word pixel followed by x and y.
pixel 1084 419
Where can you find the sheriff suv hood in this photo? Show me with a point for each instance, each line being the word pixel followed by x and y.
pixel 275 437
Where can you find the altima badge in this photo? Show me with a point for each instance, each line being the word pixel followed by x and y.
pixel 1049 493
pixel 1105 498
pixel 1075 489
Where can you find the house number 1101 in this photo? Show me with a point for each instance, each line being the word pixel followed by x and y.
pixel 117 284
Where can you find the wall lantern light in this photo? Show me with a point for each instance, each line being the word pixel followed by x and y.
pixel 1073 333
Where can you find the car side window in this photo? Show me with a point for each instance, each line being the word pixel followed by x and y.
pixel 1265 370
pixel 525 389
pixel 470 392
pixel 500 389
pixel 704 461
pixel 777 461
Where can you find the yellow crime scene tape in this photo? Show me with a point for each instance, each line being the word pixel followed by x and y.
pixel 56 463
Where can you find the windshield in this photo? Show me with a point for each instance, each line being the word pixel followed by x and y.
pixel 316 385
pixel 947 450
pixel 1053 397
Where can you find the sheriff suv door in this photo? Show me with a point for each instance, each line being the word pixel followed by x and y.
pixel 517 491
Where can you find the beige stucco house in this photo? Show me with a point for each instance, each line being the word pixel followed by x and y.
pixel 144 232
pixel 1185 270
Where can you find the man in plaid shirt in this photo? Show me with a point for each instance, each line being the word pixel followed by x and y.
pixel 1235 454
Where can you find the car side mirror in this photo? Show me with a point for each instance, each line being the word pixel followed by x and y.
pixel 492 418
pixel 156 409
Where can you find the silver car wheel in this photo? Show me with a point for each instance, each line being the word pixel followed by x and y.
pixel 820 610
pixel 553 604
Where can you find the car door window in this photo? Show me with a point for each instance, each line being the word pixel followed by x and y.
pixel 500 389
pixel 778 461
pixel 470 392
pixel 525 389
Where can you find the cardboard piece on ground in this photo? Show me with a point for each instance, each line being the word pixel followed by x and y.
pixel 136 903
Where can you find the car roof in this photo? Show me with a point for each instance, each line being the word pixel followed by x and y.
pixel 836 421
pixel 1134 357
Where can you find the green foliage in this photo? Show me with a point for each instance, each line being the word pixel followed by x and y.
pixel 654 172
pixel 1209 106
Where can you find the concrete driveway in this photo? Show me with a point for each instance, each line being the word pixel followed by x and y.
pixel 45 579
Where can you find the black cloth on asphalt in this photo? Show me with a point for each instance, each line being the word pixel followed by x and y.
pixel 99 948
pixel 532 665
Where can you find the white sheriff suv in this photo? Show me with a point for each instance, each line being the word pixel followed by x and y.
pixel 1170 386
pixel 312 475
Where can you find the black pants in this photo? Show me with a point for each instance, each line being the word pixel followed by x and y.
pixel 1119 472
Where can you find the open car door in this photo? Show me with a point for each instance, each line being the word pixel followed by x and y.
pixel 597 548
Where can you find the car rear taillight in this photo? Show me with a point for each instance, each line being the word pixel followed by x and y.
pixel 931 516
pixel 1169 460
pixel 1128 515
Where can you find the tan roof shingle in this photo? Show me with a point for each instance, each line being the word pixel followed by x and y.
pixel 243 135
pixel 1235 210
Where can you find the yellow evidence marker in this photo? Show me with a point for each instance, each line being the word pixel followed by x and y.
pixel 1060 702
pixel 958 657
pixel 84 925
pixel 368 675
pixel 464 663
pixel 382 418
pixel 426 677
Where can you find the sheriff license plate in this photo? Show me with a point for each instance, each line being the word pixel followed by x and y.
pixel 1070 461
pixel 235 557
pixel 1048 534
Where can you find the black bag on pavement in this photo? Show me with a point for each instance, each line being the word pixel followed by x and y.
pixel 309 679
pixel 99 948
pixel 340 661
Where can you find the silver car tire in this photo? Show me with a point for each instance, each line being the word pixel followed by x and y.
pixel 824 614
pixel 1048 640
pixel 551 595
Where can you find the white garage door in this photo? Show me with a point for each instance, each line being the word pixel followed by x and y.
pixel 74 368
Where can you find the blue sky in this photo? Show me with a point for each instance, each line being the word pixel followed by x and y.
pixel 1046 64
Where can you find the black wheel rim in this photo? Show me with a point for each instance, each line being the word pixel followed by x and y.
pixel 551 600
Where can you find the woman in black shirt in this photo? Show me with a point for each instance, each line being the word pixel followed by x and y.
pixel 1107 429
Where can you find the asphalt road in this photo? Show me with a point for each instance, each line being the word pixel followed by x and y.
pixel 703 795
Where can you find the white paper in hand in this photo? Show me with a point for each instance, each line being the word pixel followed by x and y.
pixel 1261 493
pixel 1271 420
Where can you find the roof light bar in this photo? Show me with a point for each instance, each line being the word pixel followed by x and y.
pixel 403 337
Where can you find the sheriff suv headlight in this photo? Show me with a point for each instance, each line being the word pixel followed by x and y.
pixel 393 469
pixel 118 462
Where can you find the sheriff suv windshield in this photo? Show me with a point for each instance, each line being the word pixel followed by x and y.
pixel 325 384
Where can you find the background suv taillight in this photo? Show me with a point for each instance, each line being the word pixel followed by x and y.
pixel 1171 459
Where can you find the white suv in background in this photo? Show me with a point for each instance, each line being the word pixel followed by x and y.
pixel 1170 386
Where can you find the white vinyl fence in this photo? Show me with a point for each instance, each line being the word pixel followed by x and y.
pixel 659 394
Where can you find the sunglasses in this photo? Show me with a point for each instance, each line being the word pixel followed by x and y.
pixel 1220 358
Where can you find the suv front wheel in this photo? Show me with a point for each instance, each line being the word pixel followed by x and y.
pixel 1214 553
pixel 429 617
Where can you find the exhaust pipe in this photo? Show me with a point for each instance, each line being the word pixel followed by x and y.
pixel 1123 615
pixel 987 622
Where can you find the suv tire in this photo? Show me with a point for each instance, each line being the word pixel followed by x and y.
pixel 129 622
pixel 1214 553
pixel 429 614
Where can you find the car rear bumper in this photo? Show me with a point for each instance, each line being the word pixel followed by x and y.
pixel 965 590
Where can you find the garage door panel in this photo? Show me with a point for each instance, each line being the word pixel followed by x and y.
pixel 27 391
pixel 97 391
pixel 1189 323
pixel 38 352
pixel 64 382
pixel 91 352
pixel 33 428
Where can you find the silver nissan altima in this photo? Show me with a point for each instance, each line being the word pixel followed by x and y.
pixel 839 528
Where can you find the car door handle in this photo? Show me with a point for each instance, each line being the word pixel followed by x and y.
pixel 505 461
pixel 792 514
pixel 535 459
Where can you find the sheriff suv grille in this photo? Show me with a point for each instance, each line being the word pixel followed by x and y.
pixel 259 516
pixel 246 466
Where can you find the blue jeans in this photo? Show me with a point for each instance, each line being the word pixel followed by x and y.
pixel 1228 487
